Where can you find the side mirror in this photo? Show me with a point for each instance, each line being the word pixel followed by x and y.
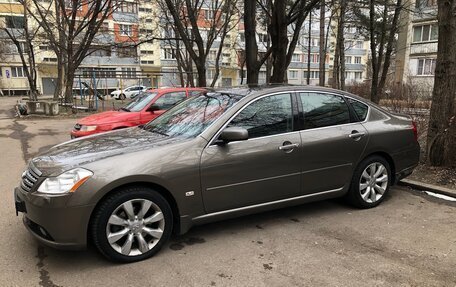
pixel 152 108
pixel 233 134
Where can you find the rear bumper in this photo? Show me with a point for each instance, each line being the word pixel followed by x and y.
pixel 52 222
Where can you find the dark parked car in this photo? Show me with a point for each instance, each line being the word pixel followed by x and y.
pixel 218 155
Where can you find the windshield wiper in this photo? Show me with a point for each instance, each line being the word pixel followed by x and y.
pixel 125 109
pixel 144 127
pixel 160 133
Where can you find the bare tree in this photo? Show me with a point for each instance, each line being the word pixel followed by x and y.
pixel 70 28
pixel 441 138
pixel 382 25
pixel 322 45
pixel 339 55
pixel 283 15
pixel 24 38
pixel 198 31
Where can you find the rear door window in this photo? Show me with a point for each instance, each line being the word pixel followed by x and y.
pixel 323 110
pixel 360 109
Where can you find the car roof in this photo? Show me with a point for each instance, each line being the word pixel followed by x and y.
pixel 174 89
pixel 255 90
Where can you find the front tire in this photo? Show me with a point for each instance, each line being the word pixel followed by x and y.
pixel 370 183
pixel 132 224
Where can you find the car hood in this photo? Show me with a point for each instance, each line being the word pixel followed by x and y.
pixel 106 118
pixel 85 150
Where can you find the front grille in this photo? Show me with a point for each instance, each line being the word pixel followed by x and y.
pixel 30 177
pixel 77 127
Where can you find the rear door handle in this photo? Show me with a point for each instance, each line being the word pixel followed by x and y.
pixel 356 135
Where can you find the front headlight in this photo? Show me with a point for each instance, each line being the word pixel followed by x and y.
pixel 68 181
pixel 88 128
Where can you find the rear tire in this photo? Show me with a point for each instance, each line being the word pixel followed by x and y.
pixel 122 97
pixel 132 224
pixel 370 183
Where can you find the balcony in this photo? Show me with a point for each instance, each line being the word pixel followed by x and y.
pixel 423 48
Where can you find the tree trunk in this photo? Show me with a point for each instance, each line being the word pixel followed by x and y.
pixel 201 70
pixel 441 139
pixel 322 70
pixel 390 46
pixel 69 86
pixel 340 34
pixel 336 72
pixel 279 40
pixel 309 49
pixel 251 46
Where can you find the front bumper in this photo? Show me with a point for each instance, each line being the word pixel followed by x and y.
pixel 78 134
pixel 52 222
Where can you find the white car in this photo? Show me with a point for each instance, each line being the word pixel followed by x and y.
pixel 129 92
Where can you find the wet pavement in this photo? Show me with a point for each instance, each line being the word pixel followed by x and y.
pixel 409 240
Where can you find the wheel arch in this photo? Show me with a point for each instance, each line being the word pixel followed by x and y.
pixel 150 185
pixel 390 161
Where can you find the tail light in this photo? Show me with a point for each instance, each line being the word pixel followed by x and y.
pixel 415 130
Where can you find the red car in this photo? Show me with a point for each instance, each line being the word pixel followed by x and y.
pixel 144 108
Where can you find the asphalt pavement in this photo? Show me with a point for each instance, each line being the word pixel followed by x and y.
pixel 409 240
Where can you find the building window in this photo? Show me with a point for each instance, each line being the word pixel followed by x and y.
pixel 212 55
pixel 127 52
pixel 209 14
pixel 147 52
pixel 147 10
pixel 210 73
pixel 425 33
pixel 420 4
pixel 296 58
pixel 49 60
pixel 45 48
pixel 17 72
pixel 98 72
pixel 358 75
pixel 293 74
pixel 15 22
pixel 426 67
pixel 169 54
pixel 263 38
pixel 242 36
pixel 129 7
pixel 147 62
pixel 359 45
pixel 348 60
pixel 128 72
pixel 24 48
pixel 357 60
pixel 125 30
pixel 313 74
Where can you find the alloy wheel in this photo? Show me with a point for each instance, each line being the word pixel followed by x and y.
pixel 135 227
pixel 373 182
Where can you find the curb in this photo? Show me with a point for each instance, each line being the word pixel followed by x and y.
pixel 428 187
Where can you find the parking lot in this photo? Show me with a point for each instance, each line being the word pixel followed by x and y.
pixel 409 240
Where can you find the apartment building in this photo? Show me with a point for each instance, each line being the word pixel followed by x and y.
pixel 153 62
pixel 417 46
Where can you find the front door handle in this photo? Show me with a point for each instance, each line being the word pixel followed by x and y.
pixel 288 146
pixel 356 135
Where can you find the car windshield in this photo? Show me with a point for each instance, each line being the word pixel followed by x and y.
pixel 139 102
pixel 190 118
